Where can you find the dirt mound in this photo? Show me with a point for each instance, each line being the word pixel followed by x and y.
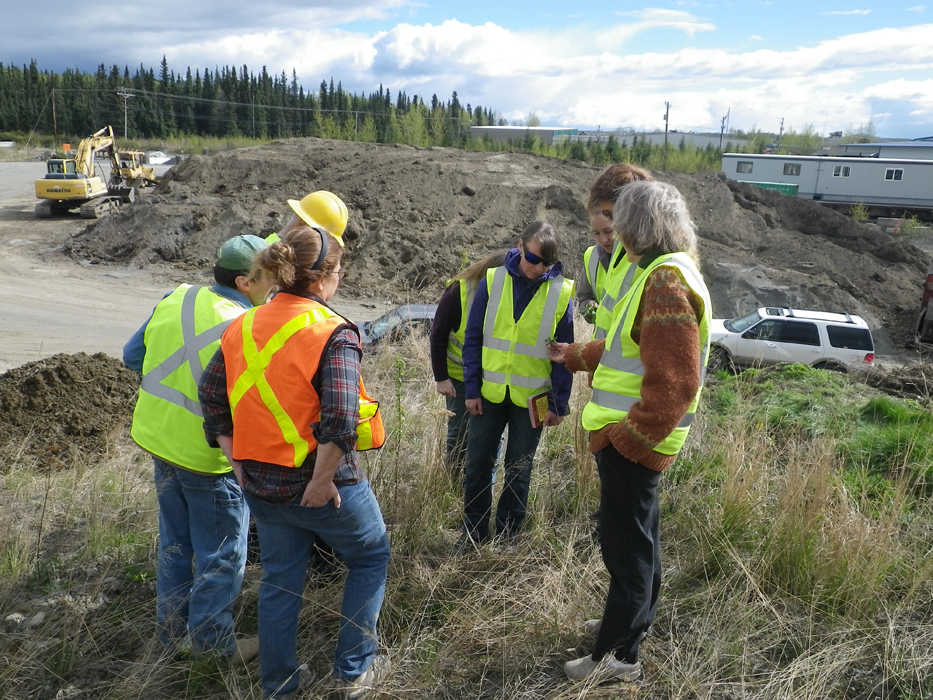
pixel 65 405
pixel 418 214
pixel 912 381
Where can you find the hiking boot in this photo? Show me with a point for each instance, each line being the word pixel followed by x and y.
pixel 247 649
pixel 369 679
pixel 608 669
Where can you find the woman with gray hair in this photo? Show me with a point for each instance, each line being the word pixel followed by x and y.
pixel 648 375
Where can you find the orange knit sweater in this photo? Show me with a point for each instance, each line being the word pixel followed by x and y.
pixel 667 331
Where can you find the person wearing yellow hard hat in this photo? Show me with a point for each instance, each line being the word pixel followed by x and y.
pixel 285 400
pixel 320 210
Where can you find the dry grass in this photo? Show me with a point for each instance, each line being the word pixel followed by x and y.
pixel 778 581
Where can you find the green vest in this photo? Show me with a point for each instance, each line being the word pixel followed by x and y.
pixel 617 380
pixel 619 279
pixel 596 273
pixel 515 353
pixel 455 339
pixel 181 338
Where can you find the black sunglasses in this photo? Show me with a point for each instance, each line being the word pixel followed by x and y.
pixel 535 260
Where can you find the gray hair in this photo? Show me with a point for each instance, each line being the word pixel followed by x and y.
pixel 652 216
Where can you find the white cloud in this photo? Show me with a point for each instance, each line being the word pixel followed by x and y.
pixel 846 12
pixel 917 8
pixel 756 37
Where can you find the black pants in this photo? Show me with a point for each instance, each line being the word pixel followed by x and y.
pixel 630 542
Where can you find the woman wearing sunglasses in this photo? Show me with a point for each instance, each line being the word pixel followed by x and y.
pixel 518 307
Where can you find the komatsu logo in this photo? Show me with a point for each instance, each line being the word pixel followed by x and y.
pixel 59 189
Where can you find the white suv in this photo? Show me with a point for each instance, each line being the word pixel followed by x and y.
pixel 775 334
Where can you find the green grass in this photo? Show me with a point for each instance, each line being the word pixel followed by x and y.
pixel 795 534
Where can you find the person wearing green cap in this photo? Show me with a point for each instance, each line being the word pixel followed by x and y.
pixel 203 515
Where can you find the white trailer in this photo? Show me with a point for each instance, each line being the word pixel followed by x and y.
pixel 886 183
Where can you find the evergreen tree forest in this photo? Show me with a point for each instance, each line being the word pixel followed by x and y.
pixel 225 102
pixel 236 103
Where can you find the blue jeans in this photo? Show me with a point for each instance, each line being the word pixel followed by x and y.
pixel 485 432
pixel 202 556
pixel 457 429
pixel 357 534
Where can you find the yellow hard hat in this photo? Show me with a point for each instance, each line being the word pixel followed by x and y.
pixel 324 210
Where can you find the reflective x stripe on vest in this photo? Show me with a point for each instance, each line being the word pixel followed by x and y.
pixel 455 339
pixel 514 354
pixel 619 279
pixel 254 375
pixel 180 338
pixel 188 354
pixel 617 380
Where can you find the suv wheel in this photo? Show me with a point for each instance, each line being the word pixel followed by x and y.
pixel 720 358
pixel 831 366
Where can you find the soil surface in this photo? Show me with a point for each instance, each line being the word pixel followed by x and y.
pixel 418 214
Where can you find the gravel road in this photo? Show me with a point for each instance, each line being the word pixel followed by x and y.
pixel 51 304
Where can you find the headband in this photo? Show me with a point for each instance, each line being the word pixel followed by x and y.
pixel 323 253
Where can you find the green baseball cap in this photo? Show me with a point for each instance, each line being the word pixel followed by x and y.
pixel 237 254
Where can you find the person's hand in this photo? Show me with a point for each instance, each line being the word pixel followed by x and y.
pixel 446 388
pixel 474 406
pixel 557 352
pixel 552 419
pixel 237 471
pixel 317 494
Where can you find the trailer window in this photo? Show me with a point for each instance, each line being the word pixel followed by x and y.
pixel 840 171
pixel 743 166
pixel 792 168
pixel 894 174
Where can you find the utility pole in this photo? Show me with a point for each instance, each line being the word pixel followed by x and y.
pixel 780 134
pixel 54 121
pixel 126 96
pixel 722 127
pixel 667 111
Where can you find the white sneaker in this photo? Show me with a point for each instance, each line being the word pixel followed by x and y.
pixel 369 679
pixel 609 668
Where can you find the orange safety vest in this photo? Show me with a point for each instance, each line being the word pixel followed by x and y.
pixel 271 354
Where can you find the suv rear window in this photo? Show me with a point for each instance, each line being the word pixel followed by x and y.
pixel 849 338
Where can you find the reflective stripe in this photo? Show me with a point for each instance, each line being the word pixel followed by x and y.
pixel 592 269
pixel 609 302
pixel 632 365
pixel 189 352
pixel 618 402
pixel 516 380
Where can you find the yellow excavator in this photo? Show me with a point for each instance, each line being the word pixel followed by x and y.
pixel 72 183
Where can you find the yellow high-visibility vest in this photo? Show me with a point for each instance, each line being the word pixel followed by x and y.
pixel 456 338
pixel 515 355
pixel 181 337
pixel 617 380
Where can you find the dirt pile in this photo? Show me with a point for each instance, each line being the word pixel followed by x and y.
pixel 418 214
pixel 65 405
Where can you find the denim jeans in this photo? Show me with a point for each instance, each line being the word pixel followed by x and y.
pixel 629 534
pixel 457 430
pixel 485 432
pixel 287 532
pixel 202 556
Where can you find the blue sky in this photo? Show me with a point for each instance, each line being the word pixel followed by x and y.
pixel 827 66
